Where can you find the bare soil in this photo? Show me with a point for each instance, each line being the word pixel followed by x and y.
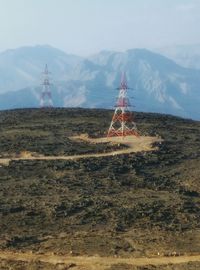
pixel 133 145
pixel 95 262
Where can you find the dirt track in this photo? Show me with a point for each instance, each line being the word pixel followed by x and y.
pixel 135 144
pixel 95 262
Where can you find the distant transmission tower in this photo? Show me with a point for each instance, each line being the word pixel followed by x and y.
pixel 122 123
pixel 46 98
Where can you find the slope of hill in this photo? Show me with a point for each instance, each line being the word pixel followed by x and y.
pixel 185 55
pixel 130 205
pixel 22 67
pixel 159 84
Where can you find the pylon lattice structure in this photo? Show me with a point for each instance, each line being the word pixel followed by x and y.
pixel 46 98
pixel 122 123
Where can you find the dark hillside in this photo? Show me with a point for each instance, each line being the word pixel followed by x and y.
pixel 128 205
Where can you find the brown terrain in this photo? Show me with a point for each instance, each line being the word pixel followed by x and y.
pixel 74 201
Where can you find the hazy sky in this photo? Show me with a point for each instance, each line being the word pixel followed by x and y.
pixel 87 26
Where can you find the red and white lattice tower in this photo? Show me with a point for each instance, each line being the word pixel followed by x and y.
pixel 122 123
pixel 46 99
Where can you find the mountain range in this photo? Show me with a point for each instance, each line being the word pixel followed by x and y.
pixel 157 83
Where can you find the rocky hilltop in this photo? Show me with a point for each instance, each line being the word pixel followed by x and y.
pixel 132 205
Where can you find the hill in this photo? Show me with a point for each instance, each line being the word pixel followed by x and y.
pixel 22 67
pixel 134 205
pixel 159 84
pixel 185 55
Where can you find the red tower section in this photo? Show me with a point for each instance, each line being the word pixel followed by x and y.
pixel 46 99
pixel 122 123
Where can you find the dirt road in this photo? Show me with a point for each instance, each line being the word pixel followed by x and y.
pixel 135 144
pixel 95 262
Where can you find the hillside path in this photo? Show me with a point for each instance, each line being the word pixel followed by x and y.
pixel 134 144
pixel 95 262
